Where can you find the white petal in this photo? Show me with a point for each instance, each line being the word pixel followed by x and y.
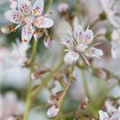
pixel 110 108
pixel 43 22
pixel 13 4
pixel 27 32
pixel 78 33
pixel 37 8
pixel 24 6
pixel 14 16
pixel 103 115
pixel 71 57
pixel 88 36
pixel 116 116
pixel 52 111
pixel 93 52
pixel 115 21
pixel 67 41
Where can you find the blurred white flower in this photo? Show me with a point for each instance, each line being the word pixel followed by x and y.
pixel 10 106
pixel 13 60
pixel 63 7
pixel 112 9
pixel 115 43
pixel 111 109
pixel 79 43
pixel 30 17
pixel 104 116
pixel 52 111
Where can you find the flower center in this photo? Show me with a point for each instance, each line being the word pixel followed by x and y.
pixel 29 19
pixel 81 47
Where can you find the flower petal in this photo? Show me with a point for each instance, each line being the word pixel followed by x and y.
pixel 103 115
pixel 27 32
pixel 52 111
pixel 43 22
pixel 14 16
pixel 24 6
pixel 13 4
pixel 110 107
pixel 67 41
pixel 116 116
pixel 71 57
pixel 78 33
pixel 115 21
pixel 93 52
pixel 88 36
pixel 37 8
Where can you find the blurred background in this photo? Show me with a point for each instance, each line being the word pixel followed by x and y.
pixel 102 79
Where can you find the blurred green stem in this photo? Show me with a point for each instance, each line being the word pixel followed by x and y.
pixel 28 100
pixel 85 83
pixel 94 23
pixel 48 5
pixel 67 86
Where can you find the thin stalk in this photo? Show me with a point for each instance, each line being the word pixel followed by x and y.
pixel 46 80
pixel 59 104
pixel 49 3
pixel 67 86
pixel 95 22
pixel 28 100
pixel 85 84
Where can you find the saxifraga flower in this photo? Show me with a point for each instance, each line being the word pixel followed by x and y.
pixel 29 17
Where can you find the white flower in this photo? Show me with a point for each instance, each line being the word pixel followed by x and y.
pixel 10 106
pixel 13 60
pixel 110 108
pixel 30 17
pixel 79 43
pixel 52 111
pixel 104 116
pixel 112 9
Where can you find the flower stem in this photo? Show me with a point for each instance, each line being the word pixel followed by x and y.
pixel 67 86
pixel 48 5
pixel 29 94
pixel 85 84
pixel 95 22
pixel 46 80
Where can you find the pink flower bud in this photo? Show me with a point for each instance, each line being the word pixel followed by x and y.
pixel 49 42
pixel 63 7
pixel 53 111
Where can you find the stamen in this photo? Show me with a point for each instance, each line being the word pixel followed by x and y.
pixel 24 40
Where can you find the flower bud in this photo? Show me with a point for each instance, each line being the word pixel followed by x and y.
pixel 63 8
pixel 52 111
pixel 38 33
pixel 49 42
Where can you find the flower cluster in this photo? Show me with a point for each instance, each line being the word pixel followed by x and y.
pixel 30 17
pixel 79 43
